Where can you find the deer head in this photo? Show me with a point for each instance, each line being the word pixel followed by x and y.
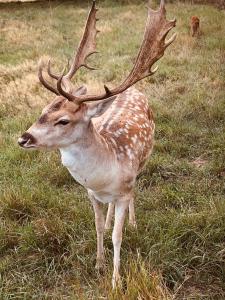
pixel 67 118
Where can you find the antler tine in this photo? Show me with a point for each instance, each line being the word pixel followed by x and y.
pixel 162 6
pixel 67 95
pixel 87 44
pixel 50 72
pixel 43 81
pixel 170 40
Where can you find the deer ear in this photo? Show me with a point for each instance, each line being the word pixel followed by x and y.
pixel 96 109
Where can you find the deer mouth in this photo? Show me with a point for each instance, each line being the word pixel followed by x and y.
pixel 26 145
pixel 27 141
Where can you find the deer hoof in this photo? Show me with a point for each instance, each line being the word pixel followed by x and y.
pixel 100 265
pixel 116 281
pixel 133 224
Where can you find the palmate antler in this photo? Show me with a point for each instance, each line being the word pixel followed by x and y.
pixel 151 50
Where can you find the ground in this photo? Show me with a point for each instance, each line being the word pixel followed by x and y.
pixel 47 234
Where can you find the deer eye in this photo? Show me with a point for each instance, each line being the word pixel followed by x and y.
pixel 62 122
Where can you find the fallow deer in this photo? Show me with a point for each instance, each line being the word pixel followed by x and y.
pixel 104 139
pixel 195 23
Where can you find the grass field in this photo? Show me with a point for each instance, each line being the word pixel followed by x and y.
pixel 47 234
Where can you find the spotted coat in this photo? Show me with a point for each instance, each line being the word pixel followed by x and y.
pixel 128 128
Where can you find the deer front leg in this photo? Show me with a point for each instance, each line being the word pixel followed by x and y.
pixel 120 211
pixel 109 216
pixel 99 224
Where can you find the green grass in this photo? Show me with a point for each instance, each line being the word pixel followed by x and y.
pixel 47 234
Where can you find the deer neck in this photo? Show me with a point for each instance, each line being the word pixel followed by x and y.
pixel 89 158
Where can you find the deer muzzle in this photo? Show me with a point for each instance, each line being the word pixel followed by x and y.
pixel 27 140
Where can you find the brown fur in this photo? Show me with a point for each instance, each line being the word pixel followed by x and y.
pixel 195 26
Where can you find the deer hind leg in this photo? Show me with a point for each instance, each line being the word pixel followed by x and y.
pixel 198 31
pixel 99 224
pixel 110 213
pixel 120 212
pixel 194 31
pixel 109 216
pixel 132 219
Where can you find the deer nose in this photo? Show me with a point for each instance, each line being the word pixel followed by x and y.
pixel 25 138
pixel 21 141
